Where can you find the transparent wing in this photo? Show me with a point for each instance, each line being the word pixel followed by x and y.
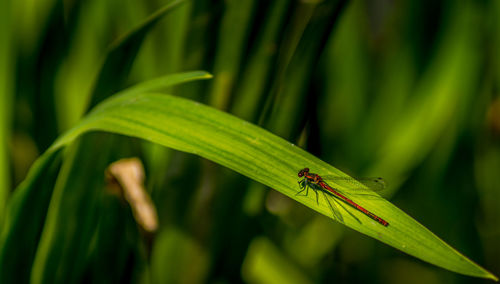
pixel 333 207
pixel 331 203
pixel 329 198
pixel 376 184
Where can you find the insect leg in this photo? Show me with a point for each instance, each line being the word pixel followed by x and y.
pixel 303 185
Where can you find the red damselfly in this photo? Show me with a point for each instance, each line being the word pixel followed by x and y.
pixel 316 183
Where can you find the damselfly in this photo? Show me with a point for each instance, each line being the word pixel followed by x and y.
pixel 316 183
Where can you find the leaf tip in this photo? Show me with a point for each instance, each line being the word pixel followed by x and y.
pixel 207 76
pixel 492 277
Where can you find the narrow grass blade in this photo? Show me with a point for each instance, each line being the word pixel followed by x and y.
pixel 230 46
pixel 313 23
pixel 121 56
pixel 25 218
pixel 255 77
pixel 254 152
pixel 164 82
pixel 72 216
pixel 30 203
pixel 6 103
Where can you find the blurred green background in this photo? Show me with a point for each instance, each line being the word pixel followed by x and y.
pixel 406 90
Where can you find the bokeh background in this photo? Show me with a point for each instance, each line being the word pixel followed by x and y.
pixel 406 90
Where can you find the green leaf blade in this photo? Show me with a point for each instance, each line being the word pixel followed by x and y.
pixel 25 217
pixel 260 155
pixel 121 56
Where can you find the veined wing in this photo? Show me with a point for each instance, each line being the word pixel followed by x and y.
pixel 376 184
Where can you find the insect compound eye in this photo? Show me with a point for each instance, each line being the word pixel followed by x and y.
pixel 303 172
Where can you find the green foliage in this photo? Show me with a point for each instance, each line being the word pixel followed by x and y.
pixel 252 151
pixel 6 54
pixel 366 89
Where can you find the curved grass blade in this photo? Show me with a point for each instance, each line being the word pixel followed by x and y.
pixel 163 82
pixel 254 152
pixel 61 251
pixel 6 99
pixel 76 199
pixel 30 202
pixel 25 219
